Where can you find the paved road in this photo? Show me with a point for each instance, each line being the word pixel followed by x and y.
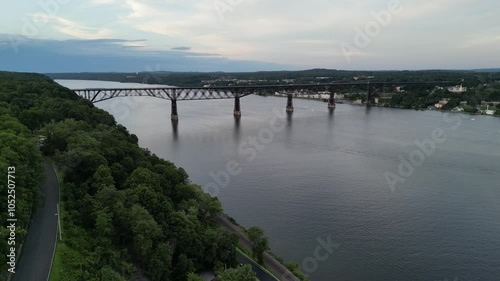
pixel 271 263
pixel 261 274
pixel 38 248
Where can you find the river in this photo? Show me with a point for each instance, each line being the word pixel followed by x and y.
pixel 396 195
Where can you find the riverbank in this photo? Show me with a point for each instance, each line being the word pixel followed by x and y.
pixel 356 103
pixel 270 263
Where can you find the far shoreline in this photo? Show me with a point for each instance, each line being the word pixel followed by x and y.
pixel 349 102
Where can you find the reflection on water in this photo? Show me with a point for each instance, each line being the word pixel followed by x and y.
pixel 368 109
pixel 237 122
pixel 330 118
pixel 289 123
pixel 289 118
pixel 175 129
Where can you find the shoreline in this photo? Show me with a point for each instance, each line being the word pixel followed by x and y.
pixel 273 265
pixel 349 102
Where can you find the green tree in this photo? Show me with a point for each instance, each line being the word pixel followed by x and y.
pixel 194 277
pixel 182 268
pixel 143 176
pixel 9 123
pixel 242 273
pixel 259 243
pixel 295 269
pixel 160 265
pixel 108 274
pixel 220 247
pixel 145 231
pixel 103 228
pixel 101 178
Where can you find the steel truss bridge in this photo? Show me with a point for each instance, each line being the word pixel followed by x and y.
pixel 236 92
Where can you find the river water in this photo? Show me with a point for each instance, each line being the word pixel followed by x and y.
pixel 354 179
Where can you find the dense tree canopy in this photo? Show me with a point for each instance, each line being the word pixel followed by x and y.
pixel 242 273
pixel 127 211
pixel 312 76
pixel 17 150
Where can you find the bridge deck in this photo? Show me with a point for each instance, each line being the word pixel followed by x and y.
pixel 229 92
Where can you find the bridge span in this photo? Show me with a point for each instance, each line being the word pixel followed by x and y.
pixel 175 94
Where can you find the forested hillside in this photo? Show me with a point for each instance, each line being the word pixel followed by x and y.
pixel 18 153
pixel 312 76
pixel 126 211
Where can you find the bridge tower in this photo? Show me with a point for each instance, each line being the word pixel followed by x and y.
pixel 289 103
pixel 174 115
pixel 331 101
pixel 237 107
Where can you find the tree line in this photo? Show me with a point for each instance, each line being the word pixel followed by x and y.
pixel 312 76
pixel 127 212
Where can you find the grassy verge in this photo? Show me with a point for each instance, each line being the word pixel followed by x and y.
pixel 57 269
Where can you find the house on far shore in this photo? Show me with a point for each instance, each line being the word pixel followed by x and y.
pixel 357 102
pixel 441 103
pixel 339 96
pixel 492 103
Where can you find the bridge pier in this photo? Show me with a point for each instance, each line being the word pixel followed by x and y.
pixel 237 107
pixel 331 101
pixel 174 115
pixel 289 103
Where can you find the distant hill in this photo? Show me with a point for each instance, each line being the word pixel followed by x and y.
pixel 487 70
pixel 312 76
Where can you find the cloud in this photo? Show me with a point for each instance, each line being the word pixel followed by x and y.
pixel 112 55
pixel 103 2
pixel 305 33
pixel 181 48
pixel 78 30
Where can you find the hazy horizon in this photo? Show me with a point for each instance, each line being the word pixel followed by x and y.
pixel 298 70
pixel 248 35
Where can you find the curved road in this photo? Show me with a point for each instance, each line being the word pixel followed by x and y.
pixel 36 257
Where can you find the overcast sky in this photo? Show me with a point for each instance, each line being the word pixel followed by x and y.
pixel 248 35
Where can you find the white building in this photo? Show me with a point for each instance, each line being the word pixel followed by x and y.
pixel 357 102
pixel 339 96
pixel 457 89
